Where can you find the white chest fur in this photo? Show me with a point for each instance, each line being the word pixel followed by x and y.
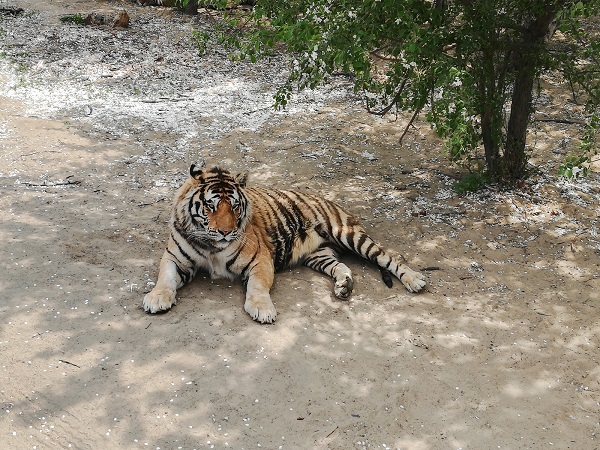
pixel 217 266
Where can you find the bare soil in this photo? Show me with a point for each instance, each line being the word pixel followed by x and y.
pixel 98 127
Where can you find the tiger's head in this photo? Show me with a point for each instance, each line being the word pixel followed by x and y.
pixel 217 206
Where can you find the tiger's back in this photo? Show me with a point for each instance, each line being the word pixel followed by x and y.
pixel 297 223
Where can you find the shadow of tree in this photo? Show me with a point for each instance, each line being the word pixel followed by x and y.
pixel 385 367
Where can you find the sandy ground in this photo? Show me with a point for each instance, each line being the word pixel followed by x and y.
pixel 97 129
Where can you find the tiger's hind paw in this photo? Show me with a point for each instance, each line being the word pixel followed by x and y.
pixel 413 281
pixel 159 300
pixel 343 288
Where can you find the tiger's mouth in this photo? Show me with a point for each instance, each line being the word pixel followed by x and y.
pixel 229 237
pixel 221 237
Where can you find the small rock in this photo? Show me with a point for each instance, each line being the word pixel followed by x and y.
pixel 476 267
pixel 118 19
pixel 493 245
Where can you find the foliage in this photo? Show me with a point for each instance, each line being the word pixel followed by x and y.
pixel 578 165
pixel 470 67
pixel 201 39
pixel 76 19
pixel 471 182
pixel 216 4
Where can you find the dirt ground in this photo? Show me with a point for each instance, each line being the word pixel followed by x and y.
pixel 98 127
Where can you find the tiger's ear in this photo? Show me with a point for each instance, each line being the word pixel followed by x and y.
pixel 196 170
pixel 241 178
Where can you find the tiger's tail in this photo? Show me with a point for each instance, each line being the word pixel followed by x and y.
pixel 389 262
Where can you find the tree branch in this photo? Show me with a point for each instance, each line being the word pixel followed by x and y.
pixel 412 119
pixel 385 110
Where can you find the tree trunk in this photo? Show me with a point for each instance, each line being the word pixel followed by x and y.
pixel 191 7
pixel 489 127
pixel 514 161
pixel 527 63
pixel 490 147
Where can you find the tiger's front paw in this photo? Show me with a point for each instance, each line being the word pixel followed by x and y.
pixel 159 300
pixel 413 281
pixel 261 309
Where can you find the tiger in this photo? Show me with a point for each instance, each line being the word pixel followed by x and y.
pixel 221 226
